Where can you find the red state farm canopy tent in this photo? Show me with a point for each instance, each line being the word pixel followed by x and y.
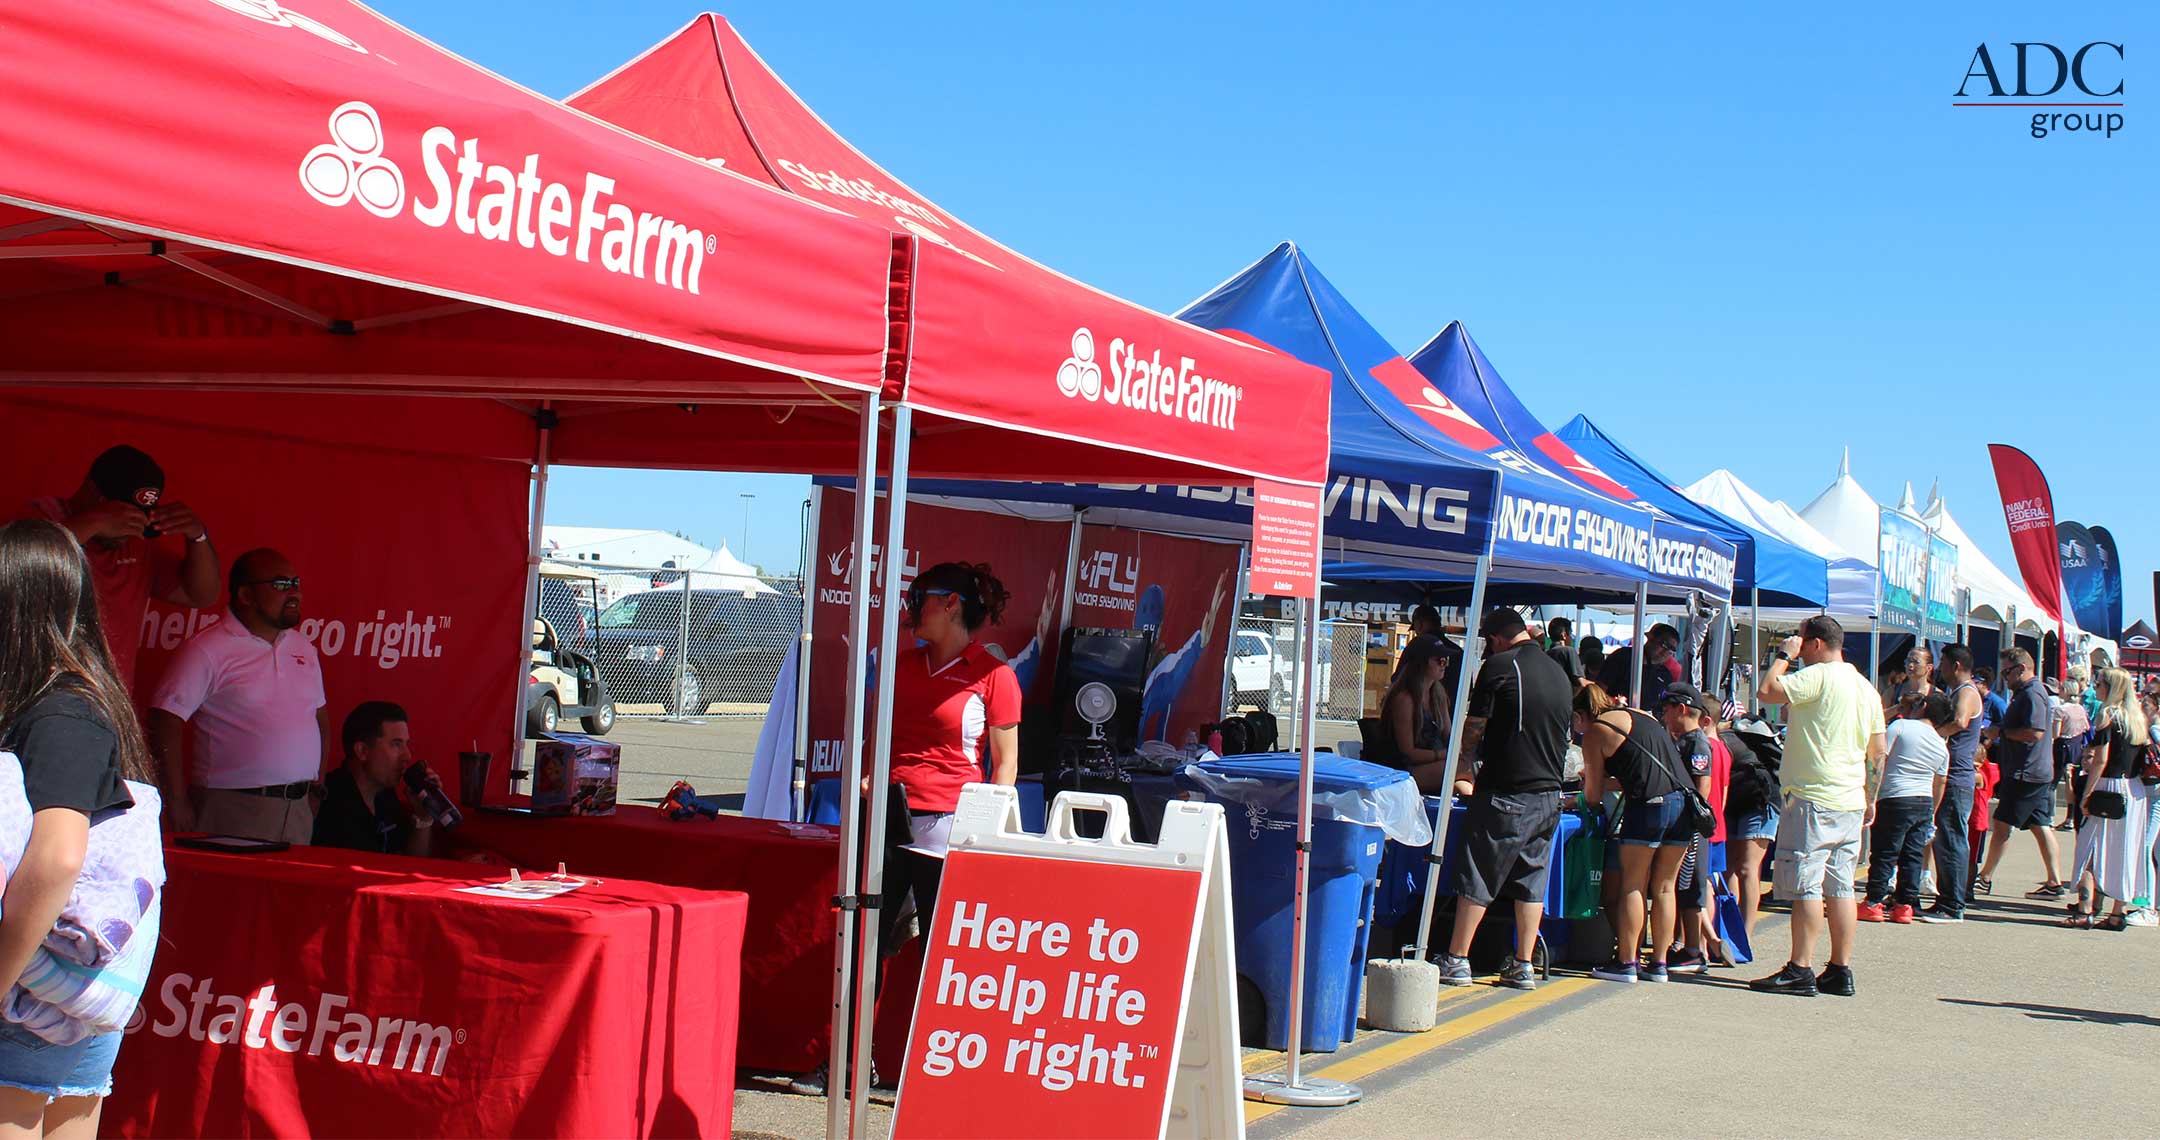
pixel 990 333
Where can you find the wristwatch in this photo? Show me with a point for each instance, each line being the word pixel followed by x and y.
pixel 1780 655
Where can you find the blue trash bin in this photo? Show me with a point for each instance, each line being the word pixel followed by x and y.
pixel 1263 864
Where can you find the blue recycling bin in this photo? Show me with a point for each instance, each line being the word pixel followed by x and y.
pixel 1262 822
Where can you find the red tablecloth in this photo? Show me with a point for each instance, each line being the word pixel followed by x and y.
pixel 332 993
pixel 788 870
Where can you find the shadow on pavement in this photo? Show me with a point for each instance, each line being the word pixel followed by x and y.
pixel 2060 1013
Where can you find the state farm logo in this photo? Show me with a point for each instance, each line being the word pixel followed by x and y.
pixel 351 167
pixel 257 1019
pixel 1079 376
pixel 272 12
pixel 498 203
pixel 1146 384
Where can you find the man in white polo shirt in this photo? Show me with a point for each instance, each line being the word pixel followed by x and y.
pixel 252 689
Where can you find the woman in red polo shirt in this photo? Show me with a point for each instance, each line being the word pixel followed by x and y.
pixel 951 699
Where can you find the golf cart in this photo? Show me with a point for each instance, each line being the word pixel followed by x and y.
pixel 565 683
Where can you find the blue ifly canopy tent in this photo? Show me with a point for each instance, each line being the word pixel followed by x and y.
pixel 1411 492
pixel 1495 423
pixel 1769 569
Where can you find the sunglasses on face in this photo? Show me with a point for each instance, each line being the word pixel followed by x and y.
pixel 285 585
pixel 917 596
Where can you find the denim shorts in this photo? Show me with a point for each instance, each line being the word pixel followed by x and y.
pixel 33 1064
pixel 1660 822
pixel 1754 825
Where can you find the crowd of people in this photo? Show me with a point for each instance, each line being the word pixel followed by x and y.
pixel 1924 778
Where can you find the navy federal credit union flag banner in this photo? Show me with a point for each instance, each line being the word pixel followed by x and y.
pixel 1902 549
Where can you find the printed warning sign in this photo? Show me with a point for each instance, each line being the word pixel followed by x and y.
pixel 1285 540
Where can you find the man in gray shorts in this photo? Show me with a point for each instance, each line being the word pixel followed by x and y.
pixel 1833 761
pixel 1519 717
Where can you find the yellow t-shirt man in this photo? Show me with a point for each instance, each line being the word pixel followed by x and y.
pixel 1833 712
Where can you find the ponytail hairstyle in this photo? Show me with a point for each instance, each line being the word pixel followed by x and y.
pixel 982 596
pixel 1593 702
pixel 51 637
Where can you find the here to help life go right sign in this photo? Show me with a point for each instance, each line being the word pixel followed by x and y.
pixel 1054 995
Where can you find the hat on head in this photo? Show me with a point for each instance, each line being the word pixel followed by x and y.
pixel 1682 693
pixel 1148 610
pixel 128 475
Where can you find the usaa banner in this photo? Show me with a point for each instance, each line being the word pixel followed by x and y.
pixel 1942 599
pixel 1902 544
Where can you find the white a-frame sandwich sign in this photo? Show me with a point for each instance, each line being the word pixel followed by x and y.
pixel 1074 987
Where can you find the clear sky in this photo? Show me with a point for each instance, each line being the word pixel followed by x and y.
pixel 1736 236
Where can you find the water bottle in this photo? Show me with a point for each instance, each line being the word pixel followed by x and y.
pixel 430 797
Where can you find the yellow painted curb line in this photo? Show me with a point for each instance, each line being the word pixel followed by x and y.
pixel 1396 1052
pixel 1271 1060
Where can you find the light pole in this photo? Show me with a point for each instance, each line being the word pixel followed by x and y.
pixel 744 551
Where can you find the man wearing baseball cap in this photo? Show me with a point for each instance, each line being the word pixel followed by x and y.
pixel 128 528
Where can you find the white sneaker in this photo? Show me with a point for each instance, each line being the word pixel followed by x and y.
pixel 2142 917
pixel 1927 882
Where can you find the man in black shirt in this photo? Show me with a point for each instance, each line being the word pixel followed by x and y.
pixel 363 808
pixel 1519 718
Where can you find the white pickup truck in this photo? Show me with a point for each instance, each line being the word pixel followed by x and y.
pixel 1263 673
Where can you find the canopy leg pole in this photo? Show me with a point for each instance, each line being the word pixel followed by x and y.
pixel 857 647
pixel 1874 650
pixel 1754 648
pixel 799 791
pixel 1473 646
pixel 1291 1086
pixel 1642 641
pixel 1072 575
pixel 881 770
pixel 543 448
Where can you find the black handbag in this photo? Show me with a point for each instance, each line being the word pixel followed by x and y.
pixel 2107 805
pixel 1700 815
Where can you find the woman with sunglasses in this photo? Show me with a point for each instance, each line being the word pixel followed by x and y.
pixel 67 719
pixel 952 703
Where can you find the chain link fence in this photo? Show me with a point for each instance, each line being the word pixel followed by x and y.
pixel 1264 667
pixel 674 643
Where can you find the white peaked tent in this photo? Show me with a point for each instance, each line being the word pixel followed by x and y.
pixel 1848 514
pixel 1994 593
pixel 732 574
pixel 1852 581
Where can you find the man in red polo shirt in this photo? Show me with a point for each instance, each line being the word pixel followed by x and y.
pixel 119 514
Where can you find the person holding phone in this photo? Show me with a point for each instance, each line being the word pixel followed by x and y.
pixel 141 546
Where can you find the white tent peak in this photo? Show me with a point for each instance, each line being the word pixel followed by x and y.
pixel 1992 589
pixel 1934 492
pixel 1848 514
pixel 1852 582
pixel 1905 503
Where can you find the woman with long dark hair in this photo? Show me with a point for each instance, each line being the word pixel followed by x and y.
pixel 1414 722
pixel 70 723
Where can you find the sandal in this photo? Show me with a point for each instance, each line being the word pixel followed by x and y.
pixel 2111 922
pixel 2078 920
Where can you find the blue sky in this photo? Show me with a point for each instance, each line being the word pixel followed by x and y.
pixel 1743 237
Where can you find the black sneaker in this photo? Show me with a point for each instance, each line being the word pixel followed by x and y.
pixel 1615 971
pixel 1795 980
pixel 1837 981
pixel 1938 915
pixel 2046 891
